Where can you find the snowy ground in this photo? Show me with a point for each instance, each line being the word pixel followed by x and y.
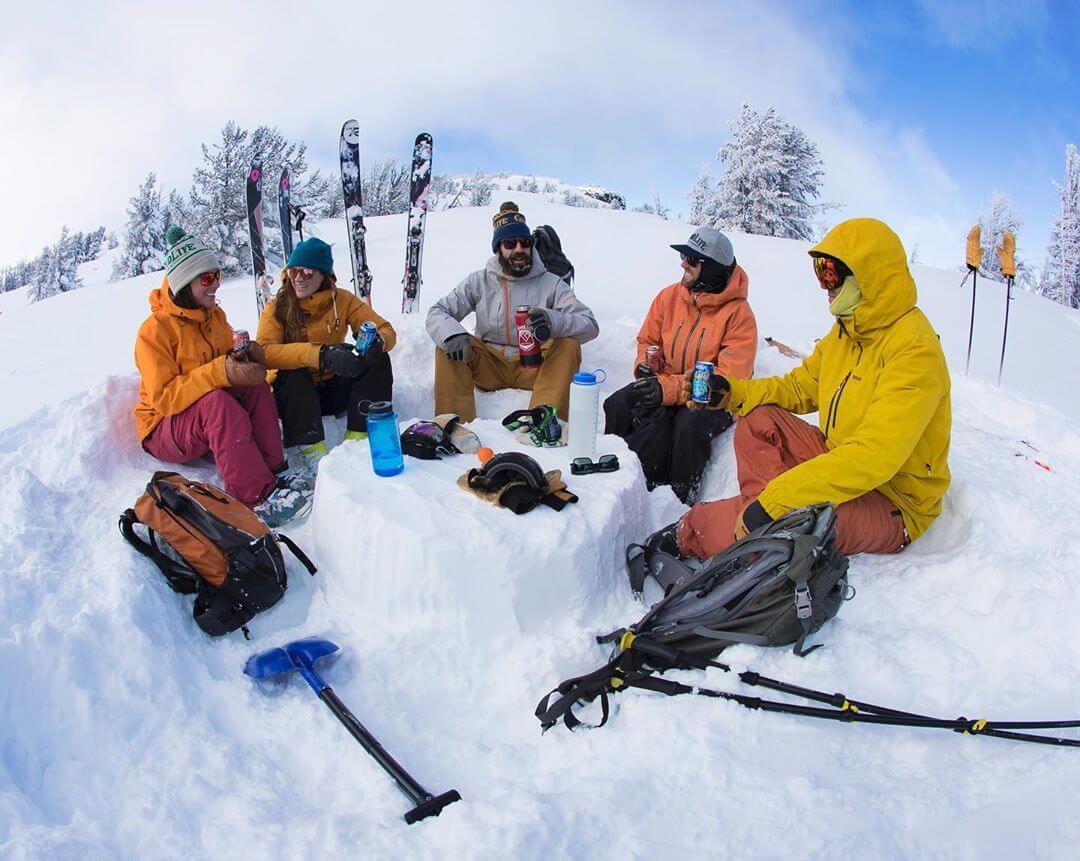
pixel 129 734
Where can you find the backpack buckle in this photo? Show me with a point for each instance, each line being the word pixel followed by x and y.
pixel 804 607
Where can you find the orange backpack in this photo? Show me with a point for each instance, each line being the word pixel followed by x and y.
pixel 212 546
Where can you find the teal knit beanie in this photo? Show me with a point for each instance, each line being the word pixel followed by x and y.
pixel 186 259
pixel 313 253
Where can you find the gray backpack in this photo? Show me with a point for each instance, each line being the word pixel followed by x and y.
pixel 775 587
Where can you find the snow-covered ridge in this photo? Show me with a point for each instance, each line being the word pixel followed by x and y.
pixel 129 734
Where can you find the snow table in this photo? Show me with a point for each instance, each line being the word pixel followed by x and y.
pixel 404 548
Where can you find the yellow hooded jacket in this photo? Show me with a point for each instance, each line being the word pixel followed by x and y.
pixel 880 384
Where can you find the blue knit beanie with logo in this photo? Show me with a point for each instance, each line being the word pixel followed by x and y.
pixel 508 223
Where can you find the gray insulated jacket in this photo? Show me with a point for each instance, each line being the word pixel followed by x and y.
pixel 494 296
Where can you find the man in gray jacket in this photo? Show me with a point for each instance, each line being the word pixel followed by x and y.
pixel 513 277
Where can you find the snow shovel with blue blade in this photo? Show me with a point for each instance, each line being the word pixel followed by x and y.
pixel 301 655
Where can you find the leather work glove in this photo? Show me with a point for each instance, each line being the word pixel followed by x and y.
pixel 255 352
pixel 719 392
pixel 244 373
pixel 458 347
pixel 647 393
pixel 340 360
pixel 540 323
pixel 749 519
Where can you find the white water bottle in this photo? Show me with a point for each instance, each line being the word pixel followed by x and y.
pixel 584 410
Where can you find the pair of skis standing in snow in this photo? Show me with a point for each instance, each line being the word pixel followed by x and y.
pixel 351 186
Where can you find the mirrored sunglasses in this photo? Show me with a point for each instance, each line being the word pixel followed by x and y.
pixel 586 465
pixel 208 278
pixel 828 272
pixel 301 272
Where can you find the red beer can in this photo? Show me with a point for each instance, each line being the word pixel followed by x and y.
pixel 652 357
pixel 240 342
pixel 528 348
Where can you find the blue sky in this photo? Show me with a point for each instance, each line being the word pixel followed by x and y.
pixel 919 109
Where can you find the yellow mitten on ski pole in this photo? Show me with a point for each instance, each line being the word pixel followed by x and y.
pixel 974 248
pixel 1007 252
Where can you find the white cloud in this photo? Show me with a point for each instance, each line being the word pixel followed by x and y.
pixel 631 94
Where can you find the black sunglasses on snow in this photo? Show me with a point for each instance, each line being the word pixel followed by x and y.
pixel 585 465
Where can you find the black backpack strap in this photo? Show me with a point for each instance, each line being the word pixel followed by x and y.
pixel 804 550
pixel 181 578
pixel 296 551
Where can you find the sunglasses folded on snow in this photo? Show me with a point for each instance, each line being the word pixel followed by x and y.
pixel 586 465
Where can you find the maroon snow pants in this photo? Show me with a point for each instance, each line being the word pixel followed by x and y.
pixel 769 441
pixel 239 427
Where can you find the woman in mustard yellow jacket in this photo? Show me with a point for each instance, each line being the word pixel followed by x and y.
pixel 880 385
pixel 302 331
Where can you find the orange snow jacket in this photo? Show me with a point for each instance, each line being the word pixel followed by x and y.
pixel 180 354
pixel 700 327
pixel 330 314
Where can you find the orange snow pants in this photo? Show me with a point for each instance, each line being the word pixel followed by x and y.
pixel 768 441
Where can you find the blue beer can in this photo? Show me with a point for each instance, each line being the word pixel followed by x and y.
pixel 699 384
pixel 365 336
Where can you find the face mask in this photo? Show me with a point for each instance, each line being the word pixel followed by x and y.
pixel 849 296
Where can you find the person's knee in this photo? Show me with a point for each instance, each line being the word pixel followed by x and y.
pixel 219 406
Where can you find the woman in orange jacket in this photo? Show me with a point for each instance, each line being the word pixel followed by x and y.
pixel 198 395
pixel 303 332
pixel 704 317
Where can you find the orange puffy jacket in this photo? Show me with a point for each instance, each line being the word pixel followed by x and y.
pixel 700 327
pixel 330 315
pixel 180 354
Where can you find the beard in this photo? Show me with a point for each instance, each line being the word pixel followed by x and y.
pixel 517 264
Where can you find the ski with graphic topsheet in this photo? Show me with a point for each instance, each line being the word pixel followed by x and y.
pixel 354 208
pixel 285 214
pixel 260 254
pixel 414 231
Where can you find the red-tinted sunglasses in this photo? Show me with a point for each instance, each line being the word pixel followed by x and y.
pixel 301 272
pixel 208 278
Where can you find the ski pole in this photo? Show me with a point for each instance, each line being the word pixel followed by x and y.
pixel 1007 253
pixel 974 259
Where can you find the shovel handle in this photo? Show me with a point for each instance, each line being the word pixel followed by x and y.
pixel 425 804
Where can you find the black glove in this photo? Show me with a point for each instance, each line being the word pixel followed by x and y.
pixel 340 360
pixel 643 370
pixel 647 393
pixel 374 351
pixel 540 323
pixel 459 347
pixel 665 540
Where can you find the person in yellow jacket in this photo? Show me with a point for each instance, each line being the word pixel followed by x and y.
pixel 880 385
pixel 198 395
pixel 302 331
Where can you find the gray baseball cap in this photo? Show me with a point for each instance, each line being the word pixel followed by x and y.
pixel 709 242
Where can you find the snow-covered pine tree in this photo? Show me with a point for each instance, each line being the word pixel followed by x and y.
pixel 478 189
pixel 996 220
pixel 57 269
pixel 92 244
pixel 144 235
pixel 771 180
pixel 701 198
pixel 385 185
pixel 1061 274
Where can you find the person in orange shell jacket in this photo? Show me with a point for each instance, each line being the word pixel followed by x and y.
pixel 704 317
pixel 303 331
pixel 198 396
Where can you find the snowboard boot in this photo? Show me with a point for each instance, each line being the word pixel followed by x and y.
pixel 310 455
pixel 290 500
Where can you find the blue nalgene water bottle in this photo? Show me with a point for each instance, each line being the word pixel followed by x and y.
pixel 384 439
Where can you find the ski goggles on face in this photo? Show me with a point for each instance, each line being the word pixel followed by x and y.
pixel 691 259
pixel 586 465
pixel 830 272
pixel 510 244
pixel 208 278
pixel 301 272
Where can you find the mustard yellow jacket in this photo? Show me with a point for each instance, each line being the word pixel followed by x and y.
pixel 881 388
pixel 330 314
